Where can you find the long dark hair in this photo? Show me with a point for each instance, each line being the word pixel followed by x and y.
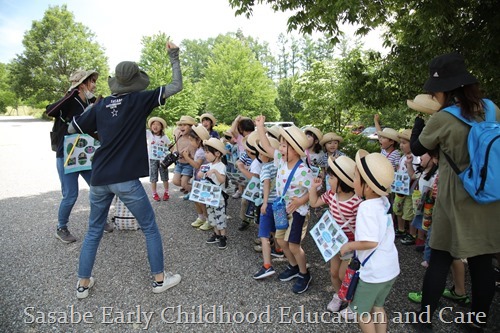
pixel 468 98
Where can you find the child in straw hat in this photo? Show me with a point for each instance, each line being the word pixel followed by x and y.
pixel 343 205
pixel 374 237
pixel 388 139
pixel 215 155
pixel 293 143
pixel 183 171
pixel 157 139
pixel 403 204
pixel 268 195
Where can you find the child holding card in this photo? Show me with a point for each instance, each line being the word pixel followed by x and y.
pixel 343 205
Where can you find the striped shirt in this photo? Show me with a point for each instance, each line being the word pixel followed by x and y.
pixel 268 171
pixel 349 209
pixel 393 157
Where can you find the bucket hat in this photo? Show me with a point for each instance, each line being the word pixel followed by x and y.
pixel 331 136
pixel 186 120
pixel 389 133
pixel 201 131
pixel 217 144
pixel 209 116
pixel 295 138
pixel 425 103
pixel 405 134
pixel 272 141
pixel 343 167
pixel 153 119
pixel 313 130
pixel 128 78
pixel 376 170
pixel 448 72
pixel 79 76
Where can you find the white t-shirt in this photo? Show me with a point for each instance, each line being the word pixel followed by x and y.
pixel 374 224
pixel 255 167
pixel 299 184
pixel 221 167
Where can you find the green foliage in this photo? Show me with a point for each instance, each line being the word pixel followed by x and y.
pixel 54 48
pixel 236 83
pixel 156 63
pixel 352 143
pixel 286 103
pixel 7 96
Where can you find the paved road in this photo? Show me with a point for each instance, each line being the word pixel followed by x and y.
pixel 38 272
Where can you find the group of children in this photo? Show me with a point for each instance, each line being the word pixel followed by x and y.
pixel 305 168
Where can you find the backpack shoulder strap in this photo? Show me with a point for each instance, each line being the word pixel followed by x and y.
pixel 455 111
pixel 489 110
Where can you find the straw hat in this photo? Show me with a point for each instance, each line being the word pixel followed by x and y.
pixel 251 141
pixel 424 103
pixel 331 136
pixel 186 120
pixel 295 138
pixel 376 170
pixel 153 119
pixel 343 167
pixel 405 134
pixel 79 76
pixel 209 116
pixel 228 133
pixel 201 131
pixel 315 131
pixel 217 144
pixel 448 72
pixel 274 131
pixel 272 141
pixel 389 133
pixel 128 78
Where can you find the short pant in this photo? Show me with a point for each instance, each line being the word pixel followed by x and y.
pixel 266 225
pixel 297 229
pixel 368 295
pixel 185 169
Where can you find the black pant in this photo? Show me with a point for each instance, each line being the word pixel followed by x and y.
pixel 482 281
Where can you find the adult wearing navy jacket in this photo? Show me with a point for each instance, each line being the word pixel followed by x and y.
pixel 120 120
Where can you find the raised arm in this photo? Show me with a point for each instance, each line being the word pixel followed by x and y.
pixel 264 140
pixel 176 85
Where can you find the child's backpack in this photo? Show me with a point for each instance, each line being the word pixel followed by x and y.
pixel 481 179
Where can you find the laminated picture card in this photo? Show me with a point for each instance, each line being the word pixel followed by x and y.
pixel 252 191
pixel 328 236
pixel 79 151
pixel 401 183
pixel 206 193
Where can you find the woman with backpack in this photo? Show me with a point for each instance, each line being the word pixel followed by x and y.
pixel 462 228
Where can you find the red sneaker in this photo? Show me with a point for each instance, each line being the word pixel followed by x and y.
pixel 156 197
pixel 166 196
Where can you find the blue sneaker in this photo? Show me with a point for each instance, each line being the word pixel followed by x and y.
pixel 289 273
pixel 302 283
pixel 263 273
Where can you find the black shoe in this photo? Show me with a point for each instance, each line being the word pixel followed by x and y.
pixel 222 242
pixel 213 239
pixel 408 240
pixel 244 226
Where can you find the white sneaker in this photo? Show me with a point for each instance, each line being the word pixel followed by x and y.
pixel 347 314
pixel 335 303
pixel 169 280
pixel 83 292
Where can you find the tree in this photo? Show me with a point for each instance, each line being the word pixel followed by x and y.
pixel 417 31
pixel 286 103
pixel 236 83
pixel 7 96
pixel 54 48
pixel 155 62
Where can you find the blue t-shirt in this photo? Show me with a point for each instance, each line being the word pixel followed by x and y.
pixel 120 122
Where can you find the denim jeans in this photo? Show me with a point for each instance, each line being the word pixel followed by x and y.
pixel 134 196
pixel 69 189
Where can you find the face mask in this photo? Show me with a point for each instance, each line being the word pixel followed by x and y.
pixel 88 94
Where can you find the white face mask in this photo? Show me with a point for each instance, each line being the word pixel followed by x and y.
pixel 88 94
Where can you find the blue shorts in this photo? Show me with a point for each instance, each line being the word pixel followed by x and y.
pixel 266 225
pixel 296 231
pixel 185 169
